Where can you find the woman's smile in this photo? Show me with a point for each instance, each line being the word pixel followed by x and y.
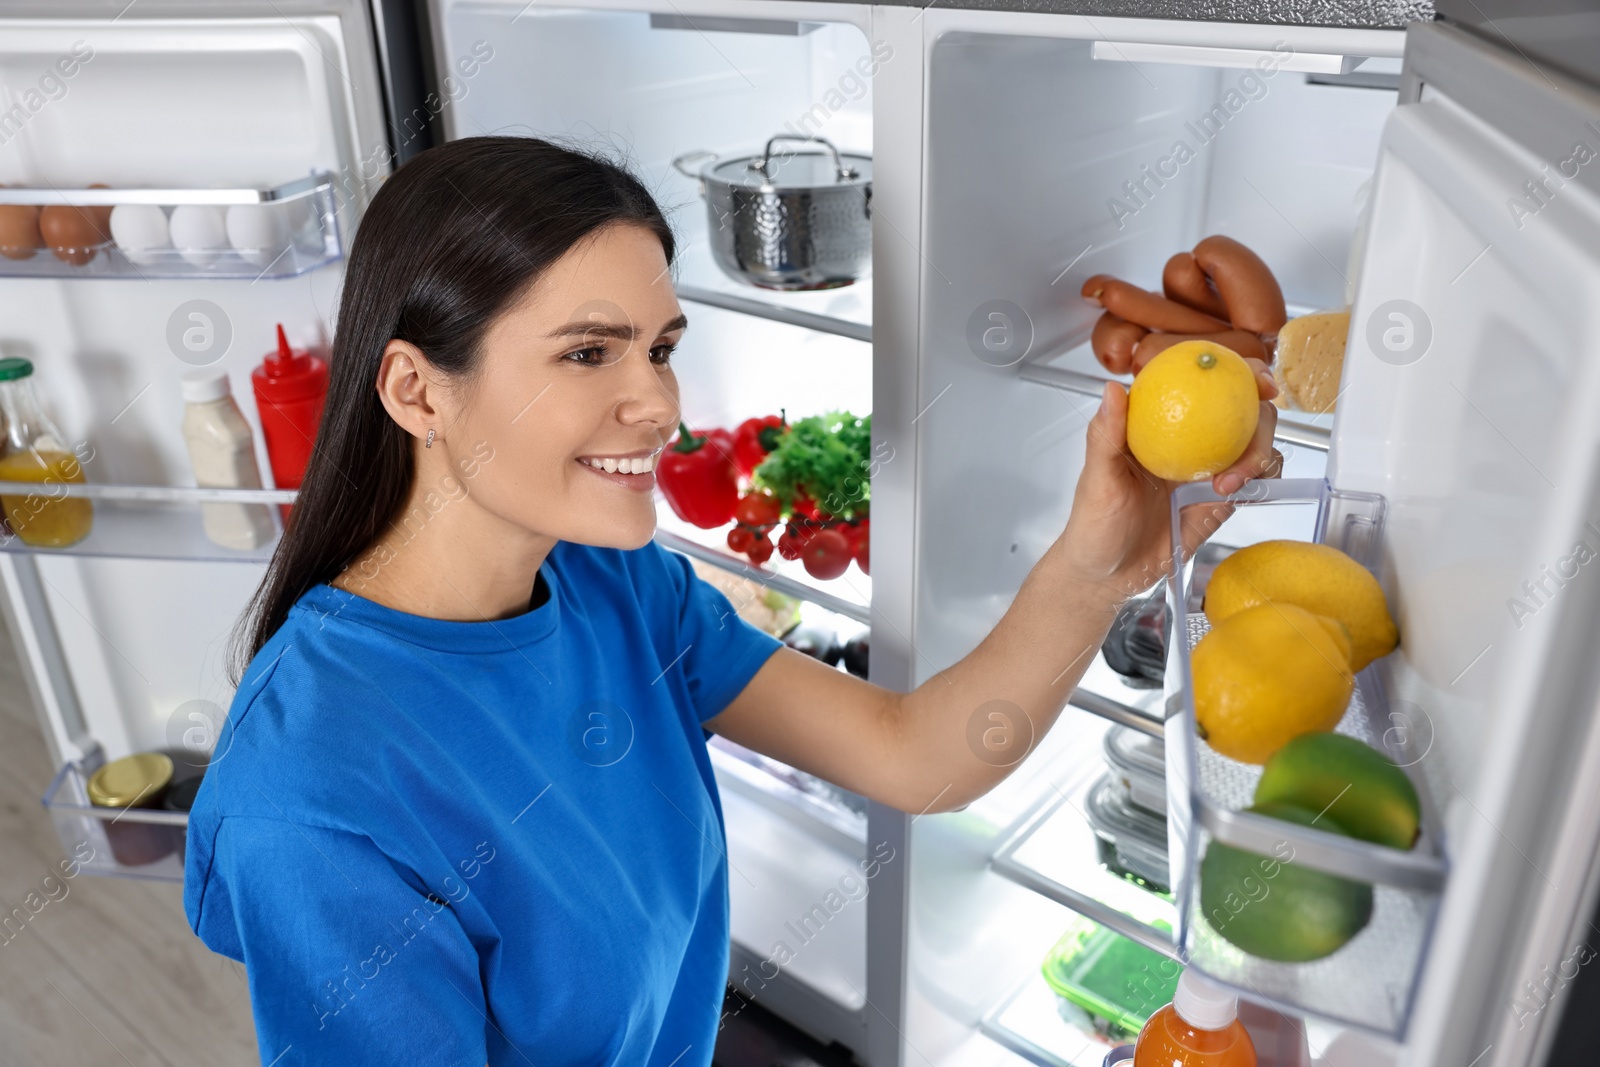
pixel 631 470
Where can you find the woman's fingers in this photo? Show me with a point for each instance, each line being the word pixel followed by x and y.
pixel 1108 430
pixel 1266 384
pixel 1260 459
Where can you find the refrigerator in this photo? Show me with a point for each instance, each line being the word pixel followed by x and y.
pixel 1438 177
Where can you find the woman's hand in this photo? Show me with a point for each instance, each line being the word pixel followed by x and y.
pixel 1119 536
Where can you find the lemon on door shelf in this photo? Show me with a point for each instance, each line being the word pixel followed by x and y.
pixel 1316 577
pixel 1267 674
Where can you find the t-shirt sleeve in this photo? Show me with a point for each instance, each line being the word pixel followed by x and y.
pixel 721 652
pixel 349 962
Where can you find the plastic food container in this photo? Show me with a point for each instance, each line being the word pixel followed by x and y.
pixel 1120 1056
pixel 1132 841
pixel 1139 763
pixel 1105 981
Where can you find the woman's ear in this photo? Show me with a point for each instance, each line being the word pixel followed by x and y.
pixel 410 389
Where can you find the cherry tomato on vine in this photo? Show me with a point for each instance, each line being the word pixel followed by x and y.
pixel 757 509
pixel 761 550
pixel 740 539
pixel 826 554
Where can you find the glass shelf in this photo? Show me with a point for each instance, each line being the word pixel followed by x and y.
pixel 150 522
pixel 1056 854
pixel 278 232
pixel 846 311
pixel 166 522
pixel 1075 370
pixel 849 595
pixel 1029 1021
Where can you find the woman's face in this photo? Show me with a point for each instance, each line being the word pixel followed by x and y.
pixel 575 378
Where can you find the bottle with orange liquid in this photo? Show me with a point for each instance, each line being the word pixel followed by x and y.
pixel 1200 1028
pixel 33 452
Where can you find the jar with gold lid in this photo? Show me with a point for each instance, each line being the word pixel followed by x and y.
pixel 136 781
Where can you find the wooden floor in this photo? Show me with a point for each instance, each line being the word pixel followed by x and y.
pixel 109 973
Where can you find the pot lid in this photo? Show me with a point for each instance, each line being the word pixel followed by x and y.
pixel 794 168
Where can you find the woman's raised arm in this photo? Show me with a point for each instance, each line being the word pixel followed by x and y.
pixel 954 737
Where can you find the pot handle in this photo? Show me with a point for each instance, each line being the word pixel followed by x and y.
pixel 840 171
pixel 681 163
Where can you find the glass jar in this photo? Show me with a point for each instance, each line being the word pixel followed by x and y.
pixel 33 452
pixel 136 781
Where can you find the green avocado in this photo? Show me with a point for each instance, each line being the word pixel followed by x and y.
pixel 1271 908
pixel 1350 782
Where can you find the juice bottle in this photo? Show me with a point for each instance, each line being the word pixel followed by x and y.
pixel 1200 1028
pixel 33 453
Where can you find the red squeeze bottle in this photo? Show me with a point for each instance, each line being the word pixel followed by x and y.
pixel 290 388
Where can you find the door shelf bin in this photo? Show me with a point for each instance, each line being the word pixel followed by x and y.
pixel 112 842
pixel 1370 981
pixel 278 232
pixel 144 521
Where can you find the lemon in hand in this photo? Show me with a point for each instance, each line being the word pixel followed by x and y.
pixel 1269 674
pixel 1319 578
pixel 1192 411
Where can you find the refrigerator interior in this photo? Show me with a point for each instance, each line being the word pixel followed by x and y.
pixel 1046 162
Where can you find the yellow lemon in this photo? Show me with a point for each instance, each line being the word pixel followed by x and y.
pixel 1192 411
pixel 1319 578
pixel 1269 674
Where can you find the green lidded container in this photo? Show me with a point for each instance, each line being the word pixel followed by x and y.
pixel 1107 981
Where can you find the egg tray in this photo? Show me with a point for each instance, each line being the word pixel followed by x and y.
pixel 303 237
pixel 1369 982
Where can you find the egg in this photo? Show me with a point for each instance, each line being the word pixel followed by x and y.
pixel 259 232
pixel 199 233
pixel 75 232
pixel 19 231
pixel 140 230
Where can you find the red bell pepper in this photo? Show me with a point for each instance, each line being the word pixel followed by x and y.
pixel 754 439
pixel 698 478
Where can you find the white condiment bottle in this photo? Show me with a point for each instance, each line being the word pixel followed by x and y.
pixel 223 452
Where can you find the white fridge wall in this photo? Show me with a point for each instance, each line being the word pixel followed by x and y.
pixel 1485 444
pixel 143 638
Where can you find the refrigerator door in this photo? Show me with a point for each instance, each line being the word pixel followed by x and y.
pixel 123 652
pixel 1471 379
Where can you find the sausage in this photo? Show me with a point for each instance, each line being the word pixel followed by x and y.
pixel 1243 342
pixel 1185 282
pixel 1113 342
pixel 1150 310
pixel 1251 293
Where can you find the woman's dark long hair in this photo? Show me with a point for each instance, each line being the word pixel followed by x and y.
pixel 451 240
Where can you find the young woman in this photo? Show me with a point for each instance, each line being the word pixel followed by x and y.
pixel 462 810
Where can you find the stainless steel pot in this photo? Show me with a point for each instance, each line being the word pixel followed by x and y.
pixel 791 220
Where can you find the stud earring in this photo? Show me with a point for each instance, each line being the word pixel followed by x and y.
pixel 429 442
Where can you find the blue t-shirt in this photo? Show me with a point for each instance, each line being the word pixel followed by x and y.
pixel 452 843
